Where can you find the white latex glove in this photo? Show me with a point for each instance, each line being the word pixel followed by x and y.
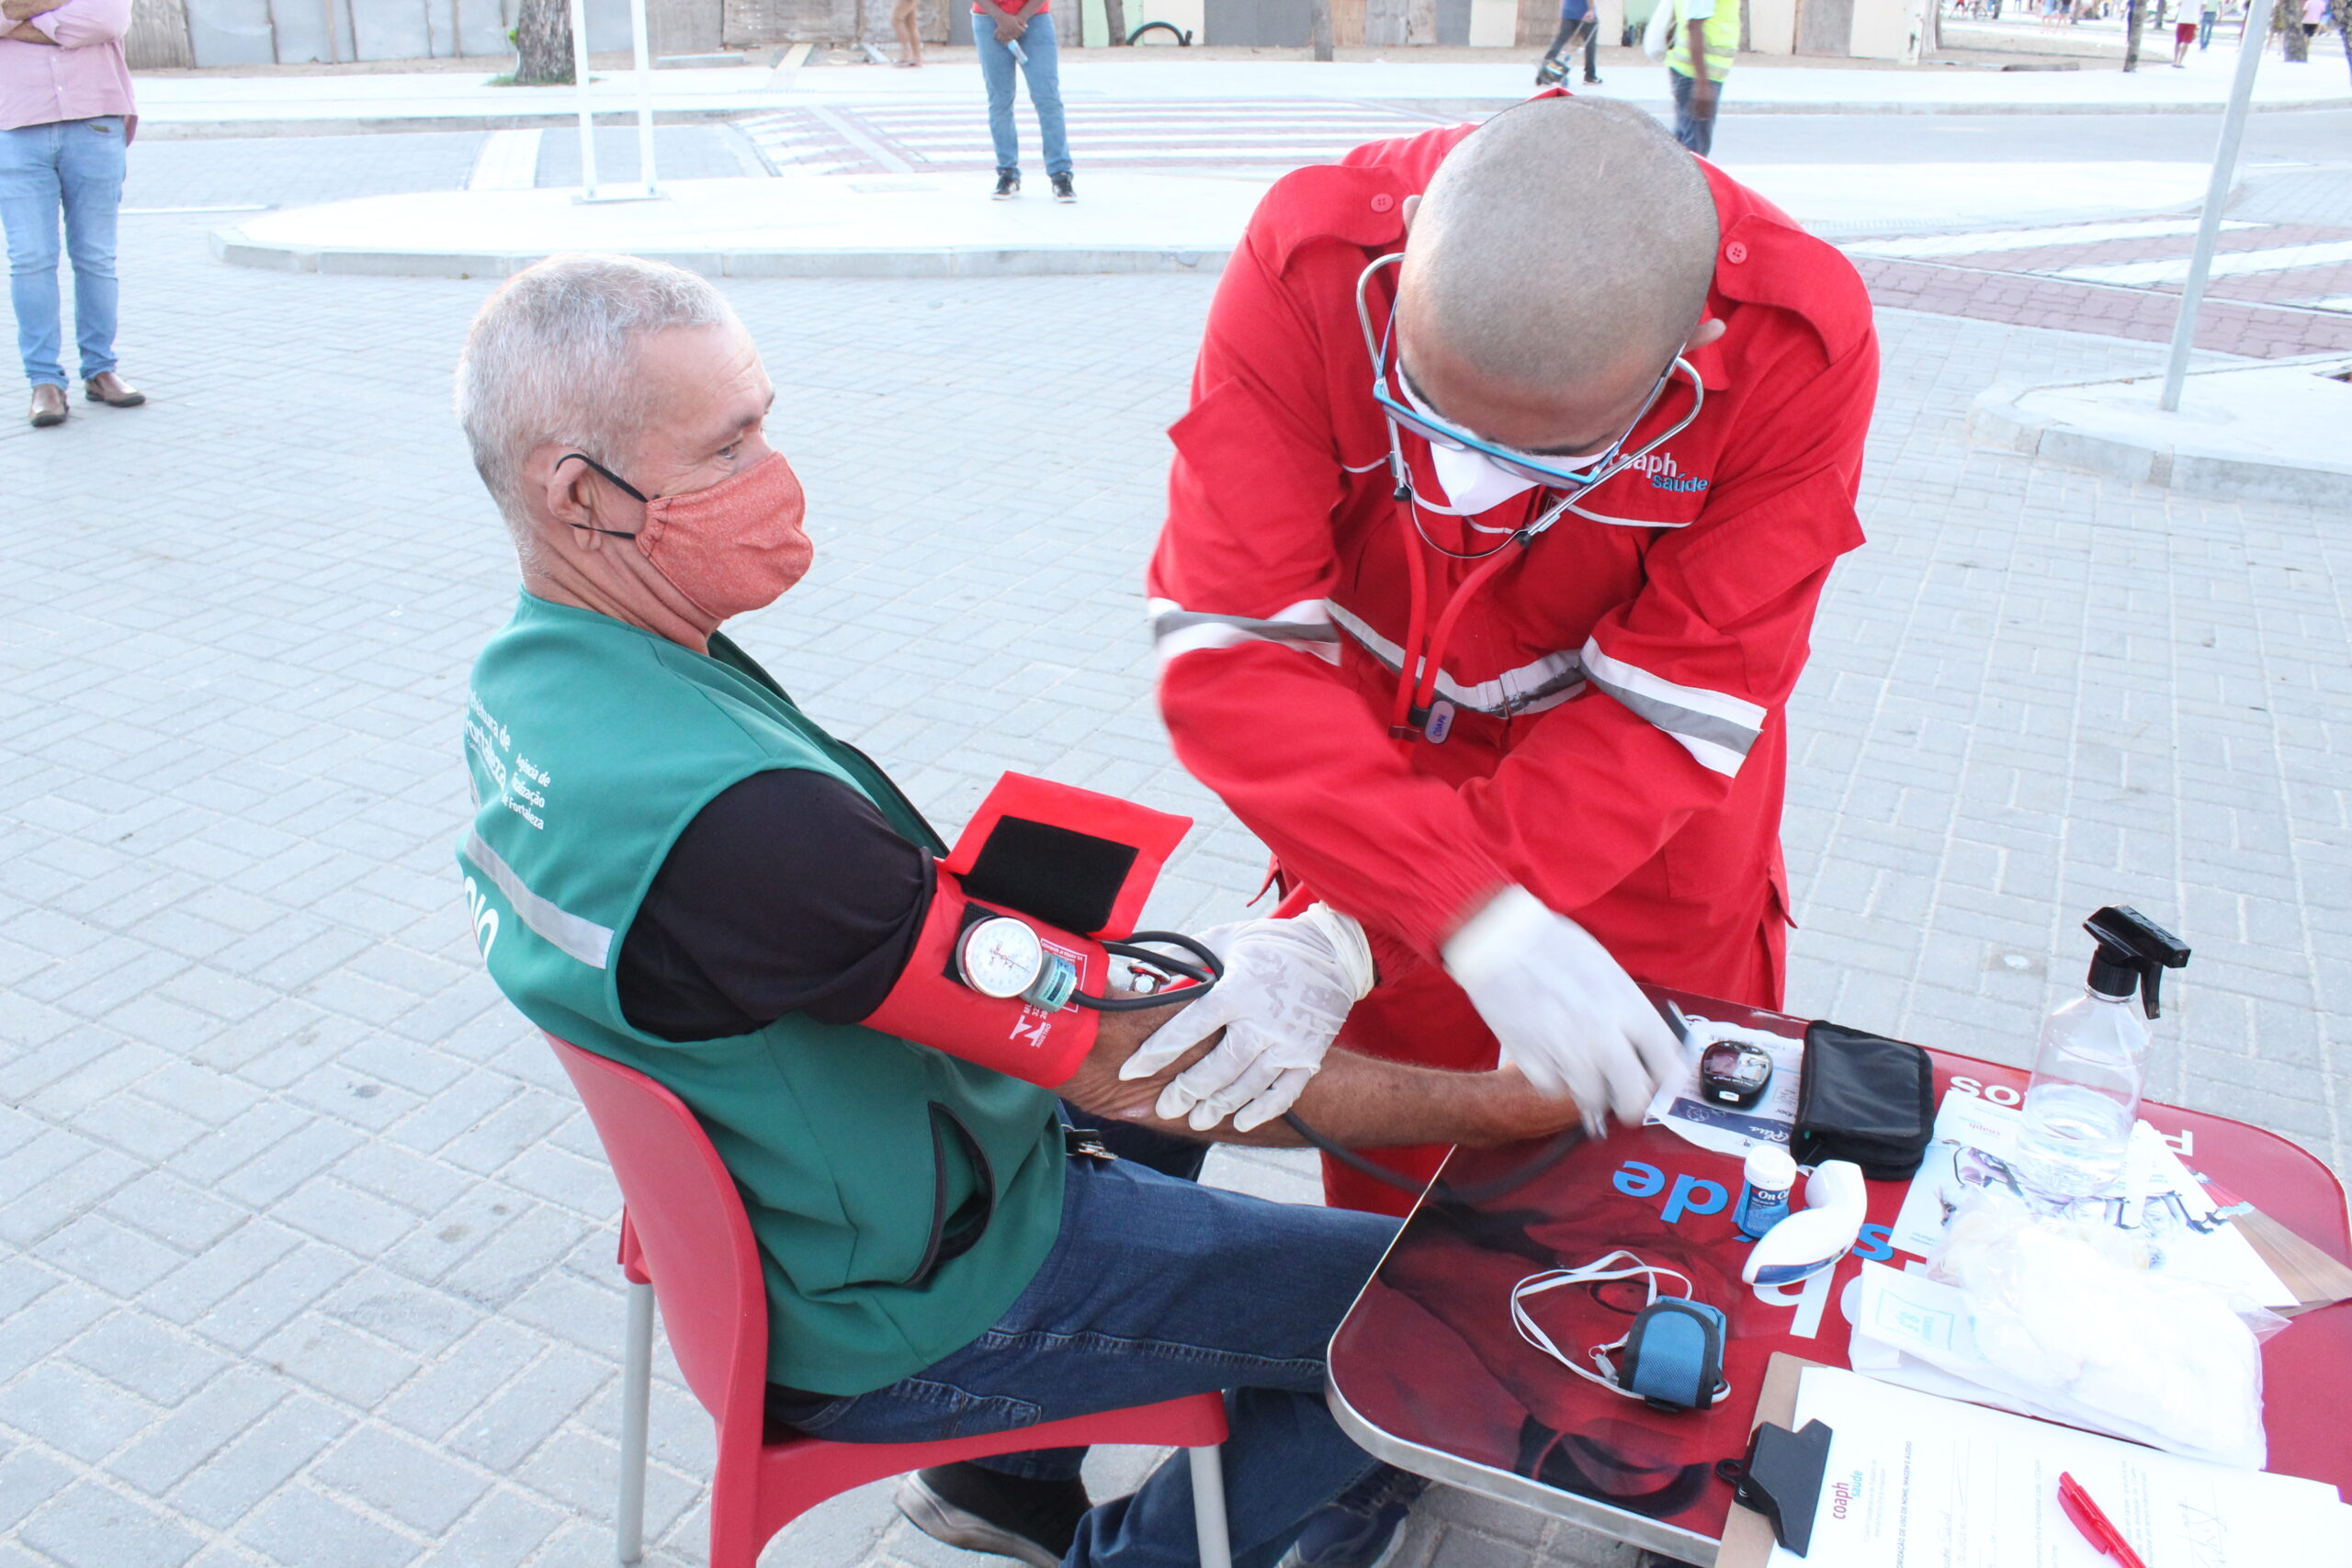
pixel 1288 986
pixel 1565 1014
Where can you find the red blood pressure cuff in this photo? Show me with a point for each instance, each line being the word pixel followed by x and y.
pixel 1068 864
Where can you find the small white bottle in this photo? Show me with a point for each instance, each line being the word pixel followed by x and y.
pixel 2085 1092
pixel 1768 1176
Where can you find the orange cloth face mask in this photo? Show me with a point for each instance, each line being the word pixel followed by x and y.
pixel 733 548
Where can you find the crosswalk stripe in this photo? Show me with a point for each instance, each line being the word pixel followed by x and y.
pixel 509 160
pixel 2228 264
pixel 2031 239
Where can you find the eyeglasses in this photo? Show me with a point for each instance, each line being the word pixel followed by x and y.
pixel 1571 473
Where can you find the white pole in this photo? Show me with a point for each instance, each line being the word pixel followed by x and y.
pixel 580 89
pixel 2252 41
pixel 644 92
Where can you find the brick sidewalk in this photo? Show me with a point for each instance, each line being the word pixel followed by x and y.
pixel 305 1256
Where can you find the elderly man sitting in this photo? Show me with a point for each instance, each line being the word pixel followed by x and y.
pixel 690 877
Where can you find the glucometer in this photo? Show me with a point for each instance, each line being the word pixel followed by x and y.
pixel 1735 1072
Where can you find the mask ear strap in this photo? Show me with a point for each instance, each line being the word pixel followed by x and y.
pixel 1618 1265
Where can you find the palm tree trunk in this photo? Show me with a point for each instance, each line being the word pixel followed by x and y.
pixel 543 43
pixel 1318 27
pixel 2289 20
pixel 1115 13
pixel 2131 34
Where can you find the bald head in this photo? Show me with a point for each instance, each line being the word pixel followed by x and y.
pixel 1561 256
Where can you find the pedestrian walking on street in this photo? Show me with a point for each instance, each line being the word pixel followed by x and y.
pixel 1023 35
pixel 1578 24
pixel 65 118
pixel 2184 33
pixel 910 33
pixel 2205 20
pixel 1706 37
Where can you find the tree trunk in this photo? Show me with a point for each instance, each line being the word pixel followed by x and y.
pixel 2289 20
pixel 1114 17
pixel 2131 34
pixel 543 43
pixel 1318 27
pixel 2343 11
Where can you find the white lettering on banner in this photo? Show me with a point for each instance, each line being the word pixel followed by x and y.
pixel 1809 1299
pixel 484 918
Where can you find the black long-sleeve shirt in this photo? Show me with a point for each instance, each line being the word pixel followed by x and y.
pixel 787 891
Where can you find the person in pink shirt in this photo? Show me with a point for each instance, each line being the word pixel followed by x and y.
pixel 66 117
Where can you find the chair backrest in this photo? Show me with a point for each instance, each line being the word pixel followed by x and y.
pixel 692 1235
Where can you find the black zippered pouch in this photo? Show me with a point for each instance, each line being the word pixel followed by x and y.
pixel 1866 1098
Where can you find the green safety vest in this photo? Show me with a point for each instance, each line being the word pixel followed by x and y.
pixel 901 1199
pixel 1722 33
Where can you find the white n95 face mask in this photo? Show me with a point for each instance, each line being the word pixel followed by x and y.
pixel 1472 484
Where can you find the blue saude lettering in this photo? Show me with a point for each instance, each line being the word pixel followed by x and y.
pixel 1635 1180
pixel 1687 1198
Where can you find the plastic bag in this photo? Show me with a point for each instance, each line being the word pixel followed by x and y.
pixel 1658 36
pixel 2065 1315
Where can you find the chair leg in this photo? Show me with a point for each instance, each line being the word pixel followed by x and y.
pixel 1208 1505
pixel 637 1392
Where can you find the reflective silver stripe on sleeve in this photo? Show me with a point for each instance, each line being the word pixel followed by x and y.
pixel 585 940
pixel 1715 727
pixel 1306 626
pixel 1532 688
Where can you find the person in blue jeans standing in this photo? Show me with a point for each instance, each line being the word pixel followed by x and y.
pixel 1023 35
pixel 66 117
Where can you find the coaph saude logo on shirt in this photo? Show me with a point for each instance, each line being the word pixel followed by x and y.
pixel 1664 474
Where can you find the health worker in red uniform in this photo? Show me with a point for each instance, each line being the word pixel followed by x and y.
pixel 1516 460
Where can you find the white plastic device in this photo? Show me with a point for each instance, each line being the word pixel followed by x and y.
pixel 1815 1236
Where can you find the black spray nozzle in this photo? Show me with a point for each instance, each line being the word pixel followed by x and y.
pixel 2133 954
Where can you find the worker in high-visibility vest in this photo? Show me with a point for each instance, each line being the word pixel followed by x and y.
pixel 1706 36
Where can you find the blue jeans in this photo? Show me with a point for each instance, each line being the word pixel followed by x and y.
pixel 1045 74
pixel 1694 129
pixel 74 166
pixel 1156 1288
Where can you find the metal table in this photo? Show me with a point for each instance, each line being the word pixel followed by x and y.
pixel 1427 1373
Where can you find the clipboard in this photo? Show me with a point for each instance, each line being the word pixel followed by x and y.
pixel 1747 1535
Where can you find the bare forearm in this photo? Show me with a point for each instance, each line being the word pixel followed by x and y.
pixel 25 32
pixel 1697 31
pixel 1360 1101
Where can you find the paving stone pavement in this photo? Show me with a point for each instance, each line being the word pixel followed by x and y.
pixel 305 1252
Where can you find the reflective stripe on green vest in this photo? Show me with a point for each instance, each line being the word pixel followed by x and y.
pixel 901 1199
pixel 1721 32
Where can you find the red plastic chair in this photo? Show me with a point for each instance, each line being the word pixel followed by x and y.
pixel 686 1240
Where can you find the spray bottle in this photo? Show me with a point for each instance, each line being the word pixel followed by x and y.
pixel 2084 1093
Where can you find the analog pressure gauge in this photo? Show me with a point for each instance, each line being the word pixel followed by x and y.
pixel 999 957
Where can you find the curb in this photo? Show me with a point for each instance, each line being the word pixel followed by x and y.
pixel 196 130
pixel 1997 419
pixel 154 129
pixel 234 246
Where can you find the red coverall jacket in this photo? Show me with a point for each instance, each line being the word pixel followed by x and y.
pixel 1620 744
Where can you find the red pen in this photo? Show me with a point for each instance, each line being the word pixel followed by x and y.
pixel 2096 1528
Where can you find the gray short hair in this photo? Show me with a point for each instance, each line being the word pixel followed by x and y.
pixel 1562 237
pixel 550 359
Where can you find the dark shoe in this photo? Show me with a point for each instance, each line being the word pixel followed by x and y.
pixel 1362 1528
pixel 1592 80
pixel 111 390
pixel 1063 189
pixel 1007 185
pixel 984 1510
pixel 49 406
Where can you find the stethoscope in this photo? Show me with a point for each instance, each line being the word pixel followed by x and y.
pixel 1423 653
